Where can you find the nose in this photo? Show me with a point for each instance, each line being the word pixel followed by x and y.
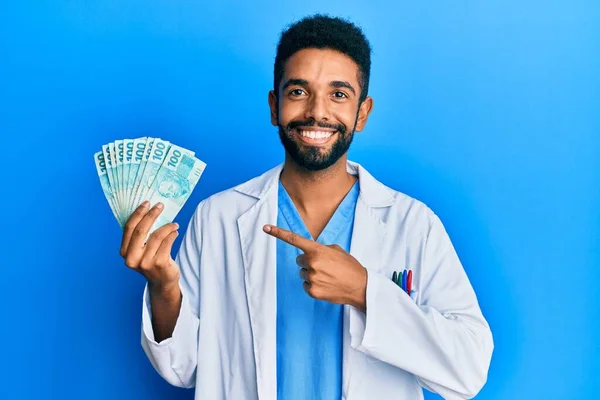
pixel 317 109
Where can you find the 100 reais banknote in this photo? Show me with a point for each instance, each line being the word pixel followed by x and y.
pixel 134 170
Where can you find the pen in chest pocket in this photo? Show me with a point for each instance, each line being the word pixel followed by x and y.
pixel 404 280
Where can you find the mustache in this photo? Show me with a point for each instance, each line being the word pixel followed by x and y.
pixel 311 122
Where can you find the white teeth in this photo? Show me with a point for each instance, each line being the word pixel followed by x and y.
pixel 316 134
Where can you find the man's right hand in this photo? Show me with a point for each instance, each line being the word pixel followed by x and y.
pixel 152 259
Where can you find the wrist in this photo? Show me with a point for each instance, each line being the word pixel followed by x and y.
pixel 168 290
pixel 359 295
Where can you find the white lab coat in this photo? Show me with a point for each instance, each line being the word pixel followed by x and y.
pixel 224 339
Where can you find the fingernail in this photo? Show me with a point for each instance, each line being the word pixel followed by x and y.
pixel 159 206
pixel 176 225
pixel 145 204
pixel 267 228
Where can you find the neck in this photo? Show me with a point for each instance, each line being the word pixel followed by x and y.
pixel 310 189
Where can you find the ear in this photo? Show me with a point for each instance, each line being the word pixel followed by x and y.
pixel 273 106
pixel 363 113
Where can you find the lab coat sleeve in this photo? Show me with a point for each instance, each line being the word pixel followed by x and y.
pixel 175 358
pixel 444 341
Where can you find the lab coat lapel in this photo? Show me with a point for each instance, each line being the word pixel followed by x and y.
pixel 369 230
pixel 259 258
pixel 368 233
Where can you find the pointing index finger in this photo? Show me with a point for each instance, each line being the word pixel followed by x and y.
pixel 292 238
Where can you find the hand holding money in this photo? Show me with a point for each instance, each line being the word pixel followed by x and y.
pixel 151 258
pixel 160 176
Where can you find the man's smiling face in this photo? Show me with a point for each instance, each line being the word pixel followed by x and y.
pixel 317 107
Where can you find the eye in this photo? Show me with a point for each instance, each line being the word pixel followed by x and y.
pixel 296 92
pixel 339 95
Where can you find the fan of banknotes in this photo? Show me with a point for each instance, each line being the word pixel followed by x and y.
pixel 134 170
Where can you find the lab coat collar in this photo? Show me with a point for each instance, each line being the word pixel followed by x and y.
pixel 373 192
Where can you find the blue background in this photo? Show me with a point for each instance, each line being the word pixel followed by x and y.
pixel 486 111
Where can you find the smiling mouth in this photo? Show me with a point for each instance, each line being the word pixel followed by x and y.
pixel 315 137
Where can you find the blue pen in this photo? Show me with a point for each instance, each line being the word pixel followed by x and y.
pixel 404 280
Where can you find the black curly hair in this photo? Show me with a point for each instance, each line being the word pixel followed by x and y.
pixel 324 32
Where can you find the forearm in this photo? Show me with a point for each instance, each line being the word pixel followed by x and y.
pixel 165 305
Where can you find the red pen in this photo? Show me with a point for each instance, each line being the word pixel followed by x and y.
pixel 409 281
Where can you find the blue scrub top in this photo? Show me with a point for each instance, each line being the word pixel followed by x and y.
pixel 309 331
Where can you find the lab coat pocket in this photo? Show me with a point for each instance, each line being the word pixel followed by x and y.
pixel 413 294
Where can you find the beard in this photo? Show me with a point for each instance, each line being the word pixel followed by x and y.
pixel 312 158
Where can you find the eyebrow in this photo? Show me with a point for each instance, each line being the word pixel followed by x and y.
pixel 343 84
pixel 304 82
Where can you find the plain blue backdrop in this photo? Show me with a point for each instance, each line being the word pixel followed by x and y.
pixel 488 111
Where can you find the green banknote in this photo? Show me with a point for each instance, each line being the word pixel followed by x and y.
pixel 134 170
